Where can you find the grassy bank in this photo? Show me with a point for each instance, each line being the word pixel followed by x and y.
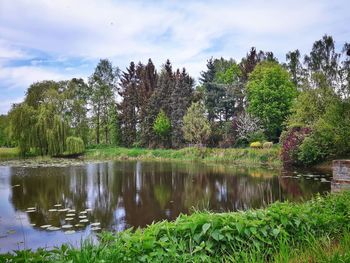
pixel 246 156
pixel 8 153
pixel 253 236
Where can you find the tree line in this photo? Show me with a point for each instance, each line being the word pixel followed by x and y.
pixel 234 103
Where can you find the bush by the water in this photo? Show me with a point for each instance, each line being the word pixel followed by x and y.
pixel 75 145
pixel 214 237
pixel 256 145
pixel 267 145
pixel 291 140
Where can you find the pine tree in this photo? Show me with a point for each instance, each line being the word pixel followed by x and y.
pixel 160 99
pixel 181 99
pixel 129 105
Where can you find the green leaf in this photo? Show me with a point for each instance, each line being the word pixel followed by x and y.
pixel 205 227
pixel 275 232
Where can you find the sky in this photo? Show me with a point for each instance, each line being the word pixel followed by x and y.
pixel 62 39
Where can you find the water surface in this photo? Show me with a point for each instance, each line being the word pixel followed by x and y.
pixel 123 194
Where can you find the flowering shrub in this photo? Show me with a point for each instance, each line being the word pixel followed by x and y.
pixel 256 145
pixel 290 141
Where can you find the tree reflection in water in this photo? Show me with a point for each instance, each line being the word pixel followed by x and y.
pixel 124 194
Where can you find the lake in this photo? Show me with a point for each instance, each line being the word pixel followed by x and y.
pixel 36 202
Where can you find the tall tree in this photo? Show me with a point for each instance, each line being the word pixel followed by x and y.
pixel 270 96
pixel 103 83
pixel 345 72
pixel 181 99
pixel 76 97
pixel 160 99
pixel 324 59
pixel 295 67
pixel 148 84
pixel 129 106
pixel 211 90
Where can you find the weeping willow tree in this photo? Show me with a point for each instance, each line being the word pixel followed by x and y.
pixel 22 126
pixel 75 145
pixel 42 131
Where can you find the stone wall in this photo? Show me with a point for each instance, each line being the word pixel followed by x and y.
pixel 341 175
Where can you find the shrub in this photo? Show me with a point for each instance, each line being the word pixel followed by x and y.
pixel 212 237
pixel 267 145
pixel 75 145
pixel 257 136
pixel 309 152
pixel 290 141
pixel 256 145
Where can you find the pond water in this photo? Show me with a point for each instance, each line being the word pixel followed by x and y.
pixel 121 194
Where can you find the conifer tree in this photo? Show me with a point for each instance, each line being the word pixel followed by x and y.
pixel 181 99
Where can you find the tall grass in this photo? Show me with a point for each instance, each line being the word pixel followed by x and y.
pixel 246 156
pixel 9 153
pixel 253 236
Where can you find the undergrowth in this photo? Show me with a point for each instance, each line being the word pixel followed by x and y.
pixel 254 236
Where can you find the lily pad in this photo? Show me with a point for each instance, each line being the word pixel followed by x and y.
pixel 53 210
pixel 53 228
pixel 96 228
pixel 78 225
pixel 88 209
pixel 63 210
pixel 70 215
pixel 57 205
pixel 30 211
pixel 83 212
pixel 84 221
pixel 71 210
pixel 45 226
pixel 82 217
pixel 69 219
pixel 31 208
pixel 95 224
pixel 67 226
pixel 69 232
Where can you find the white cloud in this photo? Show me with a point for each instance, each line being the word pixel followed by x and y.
pixel 187 32
pixel 23 76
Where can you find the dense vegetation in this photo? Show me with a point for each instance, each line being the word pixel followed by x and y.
pixel 247 156
pixel 252 236
pixel 233 105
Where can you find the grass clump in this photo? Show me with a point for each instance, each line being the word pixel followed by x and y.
pixel 9 153
pixel 243 156
pixel 252 236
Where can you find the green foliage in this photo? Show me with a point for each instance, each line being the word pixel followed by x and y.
pixel 4 131
pixel 256 136
pixel 22 126
pixel 162 125
pixel 311 104
pixel 228 75
pixel 209 237
pixel 270 96
pixel 246 156
pixel 74 145
pixel 330 137
pixel 267 145
pixel 196 127
pixel 9 153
